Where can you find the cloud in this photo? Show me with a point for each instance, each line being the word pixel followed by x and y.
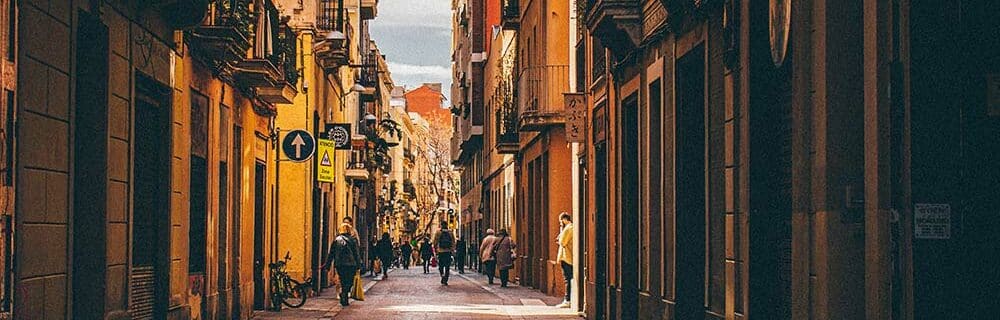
pixel 424 13
pixel 430 71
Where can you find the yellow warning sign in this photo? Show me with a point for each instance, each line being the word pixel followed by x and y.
pixel 324 167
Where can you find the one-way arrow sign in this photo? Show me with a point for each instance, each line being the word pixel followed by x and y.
pixel 298 145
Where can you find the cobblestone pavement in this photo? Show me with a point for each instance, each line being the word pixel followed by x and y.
pixel 411 294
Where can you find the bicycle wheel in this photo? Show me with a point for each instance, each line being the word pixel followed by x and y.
pixel 296 294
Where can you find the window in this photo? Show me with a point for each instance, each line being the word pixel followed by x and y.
pixel 8 136
pixel 199 183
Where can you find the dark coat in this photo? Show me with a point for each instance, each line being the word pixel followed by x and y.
pixel 505 252
pixel 384 247
pixel 426 250
pixel 406 249
pixel 460 248
pixel 344 252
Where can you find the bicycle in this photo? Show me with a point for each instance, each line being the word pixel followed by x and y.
pixel 284 289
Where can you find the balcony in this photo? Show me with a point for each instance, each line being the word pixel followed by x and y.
pixel 271 74
pixel 505 100
pixel 223 38
pixel 617 23
pixel 409 189
pixel 463 17
pixel 331 48
pixel 369 9
pixel 540 96
pixel 511 18
pixel 507 137
pixel 356 171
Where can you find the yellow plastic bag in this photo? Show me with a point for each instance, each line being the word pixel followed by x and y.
pixel 358 292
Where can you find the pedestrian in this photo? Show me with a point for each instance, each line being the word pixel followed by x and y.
pixel 407 252
pixel 444 244
pixel 473 255
pixel 487 256
pixel 565 242
pixel 505 253
pixel 372 257
pixel 344 256
pixel 425 254
pixel 385 253
pixel 396 263
pixel 460 252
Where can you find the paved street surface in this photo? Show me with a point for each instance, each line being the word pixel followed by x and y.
pixel 410 294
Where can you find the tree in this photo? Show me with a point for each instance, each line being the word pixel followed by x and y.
pixel 442 183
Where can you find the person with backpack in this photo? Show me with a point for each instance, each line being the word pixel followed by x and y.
pixel 425 254
pixel 344 256
pixel 444 244
pixel 486 256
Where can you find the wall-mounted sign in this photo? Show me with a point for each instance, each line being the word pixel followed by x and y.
pixel 298 145
pixel 324 167
pixel 931 221
pixel 340 133
pixel 576 117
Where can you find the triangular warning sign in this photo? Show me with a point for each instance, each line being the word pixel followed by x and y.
pixel 326 159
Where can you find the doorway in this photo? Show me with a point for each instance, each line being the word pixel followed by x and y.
pixel 628 214
pixel 770 176
pixel 151 202
pixel 601 230
pixel 690 181
pixel 954 128
pixel 259 192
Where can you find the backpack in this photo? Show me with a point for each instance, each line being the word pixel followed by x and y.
pixel 345 256
pixel 446 241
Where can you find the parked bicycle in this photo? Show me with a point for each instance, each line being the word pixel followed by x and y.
pixel 284 289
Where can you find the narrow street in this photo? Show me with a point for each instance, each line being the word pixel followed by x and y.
pixel 411 294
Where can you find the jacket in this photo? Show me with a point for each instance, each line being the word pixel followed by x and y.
pixel 425 249
pixel 384 247
pixel 437 239
pixel 505 252
pixel 486 248
pixel 344 252
pixel 565 242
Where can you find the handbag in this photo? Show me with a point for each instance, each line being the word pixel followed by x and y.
pixel 358 292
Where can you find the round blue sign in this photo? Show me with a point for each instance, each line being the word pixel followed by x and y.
pixel 298 145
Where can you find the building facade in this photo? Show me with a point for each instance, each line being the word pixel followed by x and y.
pixel 774 160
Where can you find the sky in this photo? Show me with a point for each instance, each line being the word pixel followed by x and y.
pixel 415 36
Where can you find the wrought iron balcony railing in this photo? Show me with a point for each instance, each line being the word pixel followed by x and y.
pixel 224 36
pixel 272 71
pixel 540 96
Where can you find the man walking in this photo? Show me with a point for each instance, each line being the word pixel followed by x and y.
pixel 344 256
pixel 460 251
pixel 444 244
pixel 487 256
pixel 565 242
pixel 407 252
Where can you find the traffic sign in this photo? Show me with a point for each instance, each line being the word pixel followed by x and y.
pixel 340 133
pixel 324 167
pixel 298 145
